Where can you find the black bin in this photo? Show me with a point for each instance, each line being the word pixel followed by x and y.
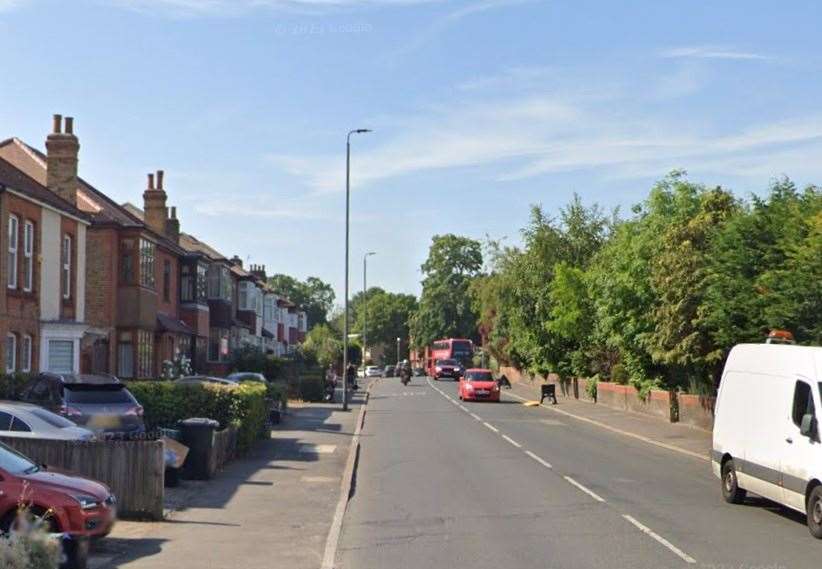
pixel 198 436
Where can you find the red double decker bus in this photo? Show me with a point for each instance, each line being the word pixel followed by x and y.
pixel 458 349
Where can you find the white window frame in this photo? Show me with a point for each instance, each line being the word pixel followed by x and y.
pixel 66 262
pixel 28 255
pixel 25 354
pixel 13 235
pixel 11 363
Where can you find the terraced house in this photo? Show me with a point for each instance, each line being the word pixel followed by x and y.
pixel 129 294
pixel 43 238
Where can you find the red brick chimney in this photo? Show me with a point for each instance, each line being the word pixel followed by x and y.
pixel 258 271
pixel 173 226
pixel 154 204
pixel 62 151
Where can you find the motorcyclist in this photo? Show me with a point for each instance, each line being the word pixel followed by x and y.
pixel 351 373
pixel 405 371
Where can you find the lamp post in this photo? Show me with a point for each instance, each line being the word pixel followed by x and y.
pixel 398 349
pixel 365 300
pixel 347 216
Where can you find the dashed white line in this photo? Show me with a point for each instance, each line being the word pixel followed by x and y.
pixel 492 427
pixel 591 493
pixel 475 416
pixel 538 459
pixel 464 408
pixel 646 530
pixel 512 441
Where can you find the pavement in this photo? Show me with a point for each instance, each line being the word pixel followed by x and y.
pixel 443 484
pixel 272 508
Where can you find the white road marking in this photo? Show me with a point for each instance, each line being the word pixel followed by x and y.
pixel 512 441
pixel 591 493
pixel 475 416
pixel 646 530
pixel 464 408
pixel 318 449
pixel 619 431
pixel 538 459
pixel 492 427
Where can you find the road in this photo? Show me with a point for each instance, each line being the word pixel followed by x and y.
pixel 444 485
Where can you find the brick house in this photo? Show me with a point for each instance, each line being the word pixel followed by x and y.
pixel 126 270
pixel 214 280
pixel 43 238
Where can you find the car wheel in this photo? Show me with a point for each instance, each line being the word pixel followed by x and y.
pixel 815 512
pixel 34 516
pixel 731 491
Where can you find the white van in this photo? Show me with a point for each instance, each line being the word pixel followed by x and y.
pixel 766 436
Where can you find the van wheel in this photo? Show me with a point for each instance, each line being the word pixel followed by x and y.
pixel 731 491
pixel 815 512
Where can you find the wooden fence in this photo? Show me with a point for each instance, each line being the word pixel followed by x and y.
pixel 134 470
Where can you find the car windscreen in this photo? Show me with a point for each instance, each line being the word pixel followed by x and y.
pixel 479 376
pixel 447 363
pixel 52 419
pixel 14 462
pixel 97 394
pixel 246 377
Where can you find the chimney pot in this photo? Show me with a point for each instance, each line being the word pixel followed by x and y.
pixel 151 181
pixel 160 174
pixel 69 125
pixel 57 124
pixel 174 212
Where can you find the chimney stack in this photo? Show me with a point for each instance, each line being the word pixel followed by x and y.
pixel 154 204
pixel 258 271
pixel 62 151
pixel 173 226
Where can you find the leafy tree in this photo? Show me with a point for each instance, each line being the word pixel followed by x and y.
pixel 313 295
pixel 445 306
pixel 324 345
pixel 386 315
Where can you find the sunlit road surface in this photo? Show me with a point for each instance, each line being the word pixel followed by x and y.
pixel 448 485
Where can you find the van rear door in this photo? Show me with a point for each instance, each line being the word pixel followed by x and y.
pixel 800 451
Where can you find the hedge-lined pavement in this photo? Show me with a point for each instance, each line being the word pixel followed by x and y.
pixel 271 509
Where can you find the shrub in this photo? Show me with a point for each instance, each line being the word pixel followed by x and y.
pixel 252 359
pixel 311 388
pixel 11 384
pixel 165 404
pixel 30 550
pixel 619 374
pixel 278 391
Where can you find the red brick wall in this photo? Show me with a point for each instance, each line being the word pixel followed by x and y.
pixel 170 308
pixel 101 276
pixel 19 310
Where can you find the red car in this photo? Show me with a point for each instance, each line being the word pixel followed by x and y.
pixel 478 385
pixel 68 503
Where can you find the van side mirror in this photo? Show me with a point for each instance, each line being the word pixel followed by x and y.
pixel 808 426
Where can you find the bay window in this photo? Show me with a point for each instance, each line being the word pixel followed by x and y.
pixel 147 255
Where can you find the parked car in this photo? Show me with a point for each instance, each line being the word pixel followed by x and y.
pixel 75 505
pixel 766 437
pixel 201 379
pixel 419 372
pixel 27 421
pixel 101 403
pixel 389 371
pixel 241 376
pixel 478 385
pixel 447 368
pixel 373 371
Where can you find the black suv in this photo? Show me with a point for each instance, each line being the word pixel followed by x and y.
pixel 98 402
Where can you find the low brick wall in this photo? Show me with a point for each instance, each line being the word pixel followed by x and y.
pixel 613 395
pixel 697 411
pixel 626 398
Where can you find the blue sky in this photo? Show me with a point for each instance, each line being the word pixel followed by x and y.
pixel 479 108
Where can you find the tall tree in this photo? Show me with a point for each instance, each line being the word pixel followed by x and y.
pixel 445 304
pixel 313 295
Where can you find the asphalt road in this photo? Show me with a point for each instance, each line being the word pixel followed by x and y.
pixel 444 485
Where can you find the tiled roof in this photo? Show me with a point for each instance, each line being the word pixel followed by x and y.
pixel 16 179
pixel 194 245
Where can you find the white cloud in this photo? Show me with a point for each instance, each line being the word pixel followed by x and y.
pixel 239 7
pixel 711 52
pixel 6 5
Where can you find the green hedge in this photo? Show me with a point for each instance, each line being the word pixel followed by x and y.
pixel 166 403
pixel 11 384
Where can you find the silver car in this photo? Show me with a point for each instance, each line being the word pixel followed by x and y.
pixel 27 421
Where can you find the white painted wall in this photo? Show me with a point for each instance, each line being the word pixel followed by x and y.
pixel 49 257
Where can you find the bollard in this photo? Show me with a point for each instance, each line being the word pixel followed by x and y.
pixel 550 391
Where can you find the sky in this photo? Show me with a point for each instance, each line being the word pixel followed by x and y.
pixel 479 108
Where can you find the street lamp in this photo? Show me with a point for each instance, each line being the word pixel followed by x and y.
pixel 347 215
pixel 365 300
pixel 398 349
